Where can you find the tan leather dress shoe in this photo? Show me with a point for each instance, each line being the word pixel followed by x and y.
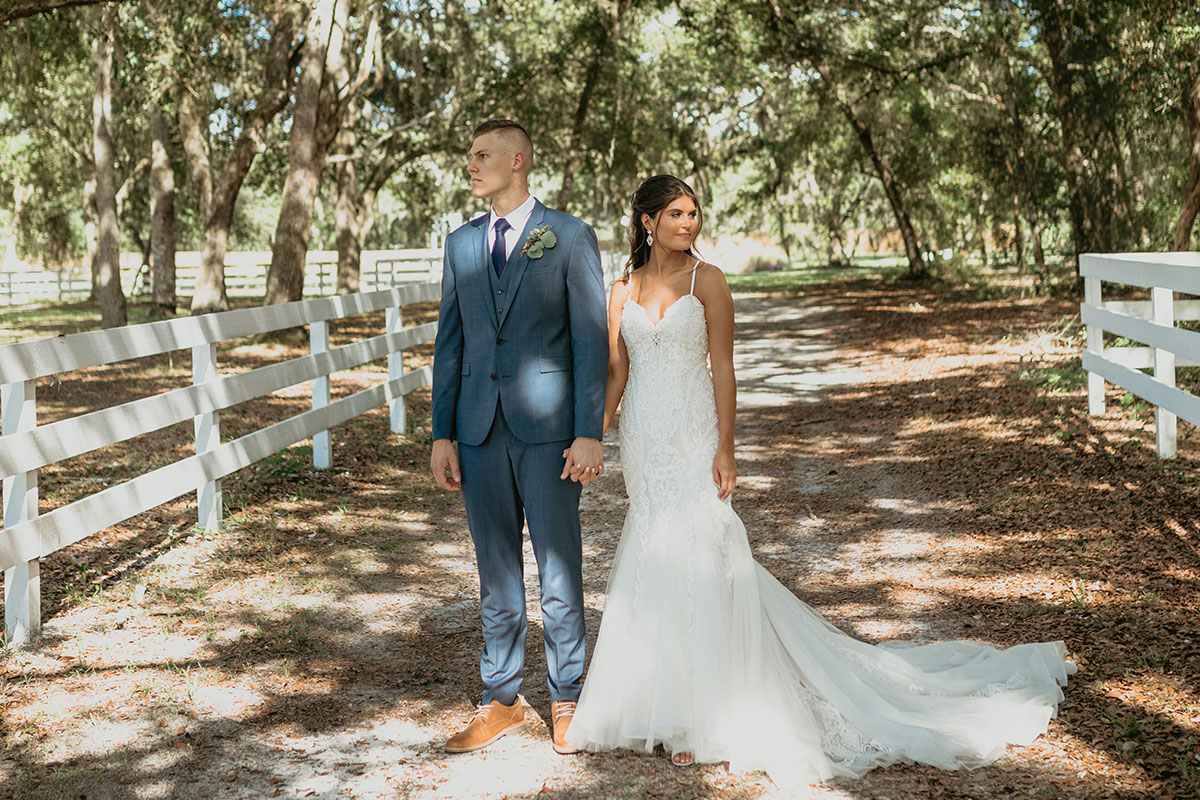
pixel 489 723
pixel 562 712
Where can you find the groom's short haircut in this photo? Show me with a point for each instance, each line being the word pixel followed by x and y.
pixel 513 132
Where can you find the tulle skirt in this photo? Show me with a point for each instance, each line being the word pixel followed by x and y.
pixel 702 650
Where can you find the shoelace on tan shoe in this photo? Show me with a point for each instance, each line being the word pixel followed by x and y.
pixel 480 711
pixel 565 708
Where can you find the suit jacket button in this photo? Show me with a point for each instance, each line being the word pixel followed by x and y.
pixel 499 310
pixel 493 376
pixel 499 291
pixel 499 340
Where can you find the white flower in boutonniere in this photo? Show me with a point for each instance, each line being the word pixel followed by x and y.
pixel 540 239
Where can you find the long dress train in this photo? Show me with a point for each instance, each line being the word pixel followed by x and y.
pixel 702 650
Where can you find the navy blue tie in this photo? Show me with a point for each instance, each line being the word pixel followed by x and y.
pixel 499 251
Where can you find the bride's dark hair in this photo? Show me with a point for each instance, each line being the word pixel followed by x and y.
pixel 651 197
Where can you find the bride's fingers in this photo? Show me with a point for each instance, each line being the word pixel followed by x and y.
pixel 726 484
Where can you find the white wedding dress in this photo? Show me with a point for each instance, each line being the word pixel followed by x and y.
pixel 702 650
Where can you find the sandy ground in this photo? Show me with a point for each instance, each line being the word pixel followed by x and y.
pixel 326 645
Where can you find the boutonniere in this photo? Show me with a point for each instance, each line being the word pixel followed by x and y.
pixel 540 239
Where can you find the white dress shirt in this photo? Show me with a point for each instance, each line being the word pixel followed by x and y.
pixel 517 219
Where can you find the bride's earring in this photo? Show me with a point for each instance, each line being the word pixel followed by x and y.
pixel 649 238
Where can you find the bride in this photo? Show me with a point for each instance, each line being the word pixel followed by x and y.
pixel 700 649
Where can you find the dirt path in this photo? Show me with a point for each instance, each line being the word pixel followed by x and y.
pixel 899 471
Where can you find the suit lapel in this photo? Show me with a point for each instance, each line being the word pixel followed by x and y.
pixel 483 262
pixel 515 270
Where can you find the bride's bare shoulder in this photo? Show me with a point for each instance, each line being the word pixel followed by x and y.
pixel 710 280
pixel 619 292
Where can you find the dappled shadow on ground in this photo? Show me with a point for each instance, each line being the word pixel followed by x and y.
pixel 901 471
pixel 1047 523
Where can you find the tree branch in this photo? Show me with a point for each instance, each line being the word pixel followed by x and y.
pixel 18 9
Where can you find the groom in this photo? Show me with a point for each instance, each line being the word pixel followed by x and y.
pixel 519 371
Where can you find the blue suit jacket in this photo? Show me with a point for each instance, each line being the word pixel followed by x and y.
pixel 540 348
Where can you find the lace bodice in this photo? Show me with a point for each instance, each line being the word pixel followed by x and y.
pixel 668 426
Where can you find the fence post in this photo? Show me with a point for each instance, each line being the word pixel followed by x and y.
pixel 23 582
pixel 1095 344
pixel 209 506
pixel 318 340
pixel 395 322
pixel 1162 310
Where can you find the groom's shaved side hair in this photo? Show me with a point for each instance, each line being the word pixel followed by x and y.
pixel 513 134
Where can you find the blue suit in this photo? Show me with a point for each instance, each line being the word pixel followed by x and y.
pixel 519 371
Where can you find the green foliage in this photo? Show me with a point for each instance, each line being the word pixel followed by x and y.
pixel 1065 377
pixel 294 462
pixel 989 147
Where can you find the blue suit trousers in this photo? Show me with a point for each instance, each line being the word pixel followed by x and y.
pixel 505 483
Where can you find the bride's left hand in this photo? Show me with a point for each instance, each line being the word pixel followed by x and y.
pixel 724 472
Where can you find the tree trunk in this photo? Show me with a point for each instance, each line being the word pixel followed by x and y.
pixel 285 276
pixel 91 223
pixel 1021 174
pixel 981 237
pixel 200 170
pixel 1124 195
pixel 21 194
pixel 361 203
pixel 220 201
pixel 1191 197
pixel 162 215
pixel 607 28
pixel 106 266
pixel 883 171
pixel 348 213
pixel 1083 231
pixel 1018 232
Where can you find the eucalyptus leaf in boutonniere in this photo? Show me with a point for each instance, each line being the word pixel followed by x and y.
pixel 540 240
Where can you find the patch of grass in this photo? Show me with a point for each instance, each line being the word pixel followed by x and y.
pixel 792 280
pixel 1131 403
pixel 1076 594
pixel 966 277
pixel 1129 729
pixel 277 639
pixel 51 319
pixel 291 463
pixel 1061 378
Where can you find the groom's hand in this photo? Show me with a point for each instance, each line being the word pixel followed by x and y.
pixel 584 461
pixel 445 459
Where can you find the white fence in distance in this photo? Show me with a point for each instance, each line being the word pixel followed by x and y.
pixel 245 275
pixel 1150 322
pixel 26 447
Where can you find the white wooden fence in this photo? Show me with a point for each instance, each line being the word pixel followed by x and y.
pixel 1150 322
pixel 26 447
pixel 245 275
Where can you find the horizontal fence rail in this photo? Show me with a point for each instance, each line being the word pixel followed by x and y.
pixel 26 447
pixel 1152 323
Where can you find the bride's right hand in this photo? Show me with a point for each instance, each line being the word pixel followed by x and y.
pixel 724 472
